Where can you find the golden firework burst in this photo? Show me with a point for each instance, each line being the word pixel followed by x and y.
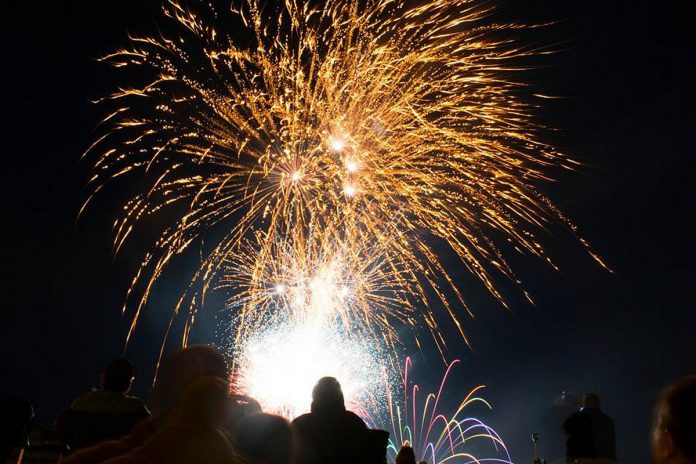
pixel 381 122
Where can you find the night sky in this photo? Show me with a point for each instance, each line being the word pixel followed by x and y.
pixel 625 70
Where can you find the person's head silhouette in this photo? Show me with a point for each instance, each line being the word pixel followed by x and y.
pixel 180 371
pixel 118 376
pixel 406 454
pixel 327 395
pixel 674 425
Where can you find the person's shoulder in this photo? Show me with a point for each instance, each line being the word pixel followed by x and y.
pixel 572 419
pixel 80 399
pixel 136 404
pixel 607 418
pixel 303 419
pixel 355 420
pixel 104 401
pixel 304 423
pixel 85 400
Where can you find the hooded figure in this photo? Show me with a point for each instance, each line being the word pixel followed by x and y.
pixel 328 408
pixel 329 433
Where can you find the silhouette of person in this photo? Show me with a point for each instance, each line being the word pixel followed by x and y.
pixel 406 454
pixel 674 424
pixel 590 436
pixel 194 434
pixel 176 375
pixel 103 413
pixel 330 433
pixel 112 396
pixel 328 408
pixel 264 439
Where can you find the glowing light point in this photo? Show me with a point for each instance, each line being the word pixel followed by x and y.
pixel 351 166
pixel 345 291
pixel 280 288
pixel 337 144
pixel 296 176
pixel 349 190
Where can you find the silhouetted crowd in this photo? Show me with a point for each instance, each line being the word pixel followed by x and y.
pixel 193 418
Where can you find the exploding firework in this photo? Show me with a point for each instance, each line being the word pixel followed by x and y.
pixel 436 437
pixel 324 282
pixel 310 314
pixel 373 122
pixel 280 364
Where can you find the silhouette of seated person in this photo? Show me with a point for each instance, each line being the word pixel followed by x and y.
pixel 264 439
pixel 103 413
pixel 331 434
pixel 590 434
pixel 194 433
pixel 176 374
pixel 674 424
pixel 406 454
pixel 328 409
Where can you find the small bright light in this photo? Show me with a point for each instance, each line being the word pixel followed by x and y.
pixel 349 190
pixel 296 176
pixel 345 291
pixel 351 166
pixel 299 301
pixel 337 144
pixel 280 288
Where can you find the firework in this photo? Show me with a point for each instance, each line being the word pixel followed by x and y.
pixel 323 282
pixel 280 364
pixel 436 437
pixel 372 122
pixel 303 315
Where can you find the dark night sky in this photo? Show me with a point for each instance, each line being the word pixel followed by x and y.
pixel 626 70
